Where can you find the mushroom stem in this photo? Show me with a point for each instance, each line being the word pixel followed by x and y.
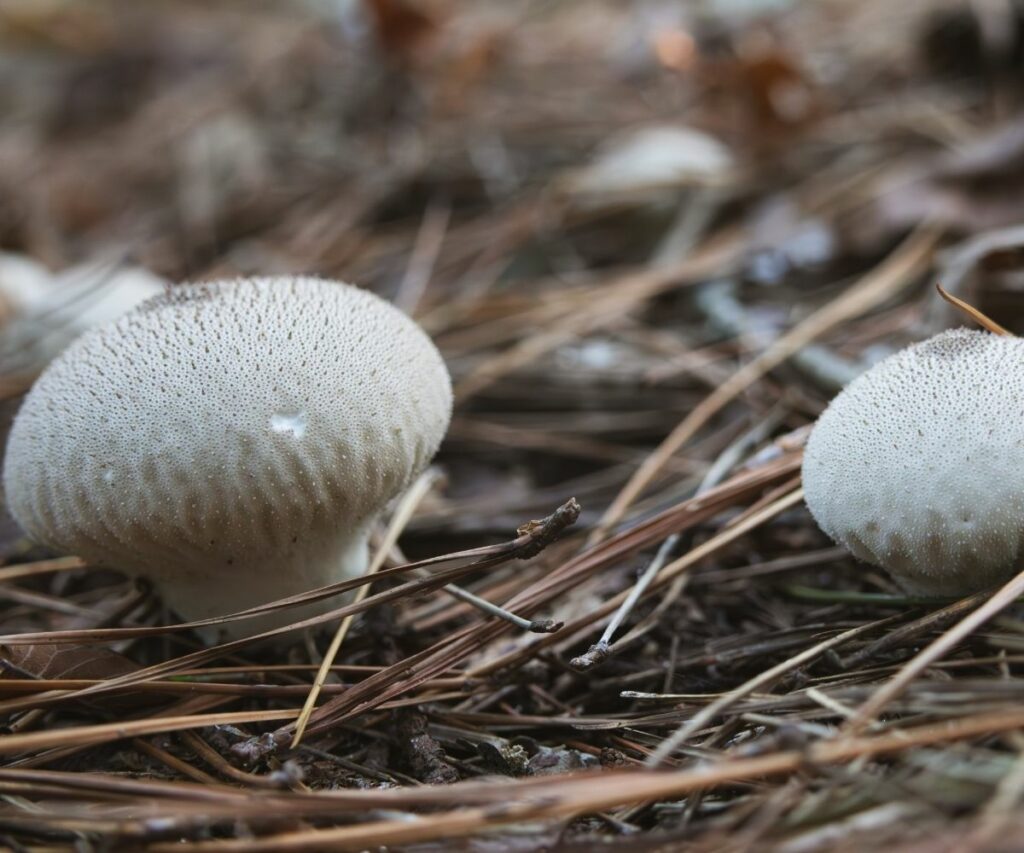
pixel 201 595
pixel 972 312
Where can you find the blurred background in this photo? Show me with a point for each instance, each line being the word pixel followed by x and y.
pixel 598 209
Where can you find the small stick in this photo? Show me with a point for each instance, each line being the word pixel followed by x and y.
pixel 602 648
pixel 934 620
pixel 175 763
pixel 542 533
pixel 534 626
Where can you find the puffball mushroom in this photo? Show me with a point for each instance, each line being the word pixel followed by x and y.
pixel 918 465
pixel 233 441
pixel 45 311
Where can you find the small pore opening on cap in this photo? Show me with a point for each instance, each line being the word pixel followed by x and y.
pixel 290 423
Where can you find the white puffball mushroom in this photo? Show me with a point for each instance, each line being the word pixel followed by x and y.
pixel 23 283
pixel 92 295
pixel 44 311
pixel 918 465
pixel 233 441
pixel 640 165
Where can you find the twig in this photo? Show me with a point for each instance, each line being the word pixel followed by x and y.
pixel 599 652
pixel 910 631
pixel 534 626
pixel 174 762
pixel 224 767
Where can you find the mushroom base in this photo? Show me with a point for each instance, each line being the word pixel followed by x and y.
pixel 196 595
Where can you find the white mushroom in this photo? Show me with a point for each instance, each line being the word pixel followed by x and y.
pixel 44 312
pixel 233 441
pixel 23 284
pixel 918 465
pixel 640 165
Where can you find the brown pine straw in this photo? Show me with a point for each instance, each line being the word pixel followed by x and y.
pixel 604 305
pixel 527 544
pixel 41 567
pixel 105 732
pixel 386 685
pixel 982 320
pixel 764 679
pixel 941 646
pixel 483 806
pixel 668 573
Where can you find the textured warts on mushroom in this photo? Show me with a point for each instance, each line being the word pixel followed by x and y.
pixel 918 465
pixel 233 441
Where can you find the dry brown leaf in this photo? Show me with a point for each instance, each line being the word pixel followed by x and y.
pixel 64 660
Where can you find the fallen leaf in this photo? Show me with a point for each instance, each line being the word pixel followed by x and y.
pixel 63 661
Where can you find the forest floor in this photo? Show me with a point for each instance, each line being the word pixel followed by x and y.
pixel 651 240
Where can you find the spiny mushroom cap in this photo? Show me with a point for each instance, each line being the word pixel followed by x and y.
pixel 227 428
pixel 918 465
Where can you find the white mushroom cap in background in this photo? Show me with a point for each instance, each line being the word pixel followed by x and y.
pixel 918 465
pixel 42 312
pixel 94 293
pixel 642 164
pixel 233 441
pixel 23 283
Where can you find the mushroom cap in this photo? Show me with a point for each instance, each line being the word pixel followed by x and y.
pixel 918 465
pixel 258 423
